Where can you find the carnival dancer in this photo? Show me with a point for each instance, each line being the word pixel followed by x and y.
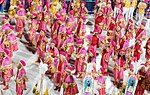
pixel 21 78
pixel 80 59
pixel 137 50
pixel 11 39
pixel 140 88
pixel 70 47
pixel 117 7
pixel 83 10
pixel 101 82
pixel 120 18
pixel 99 21
pixel 41 45
pixel 5 24
pixel 141 33
pixel 7 69
pixel 126 9
pixel 122 64
pixel 108 14
pixel 20 18
pixel 69 85
pixel 61 67
pixel 147 55
pixel 132 8
pixel 105 59
pixel 141 10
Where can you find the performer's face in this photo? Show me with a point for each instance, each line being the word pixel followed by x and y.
pixel 109 5
pixel 142 26
pixel 1 54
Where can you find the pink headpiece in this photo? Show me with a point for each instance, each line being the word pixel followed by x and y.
pixel 34 14
pixel 63 11
pixel 58 15
pixel 113 43
pixel 62 53
pixel 1 50
pixel 94 60
pixel 82 51
pixel 62 29
pixel 83 18
pixel 70 68
pixel 102 70
pixel 6 51
pixel 113 18
pixel 131 47
pixel 83 26
pixel 84 3
pixel 130 20
pixel 23 63
pixel 11 27
pixel 123 51
pixel 121 9
pixel 143 23
pixel 70 19
pixel 71 12
pixel 79 42
pixel 5 17
pixel 108 2
pixel 140 41
pixel 69 32
pixel 21 6
pixel 96 30
pixel 65 5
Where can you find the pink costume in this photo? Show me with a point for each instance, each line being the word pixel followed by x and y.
pixel 53 50
pixel 13 45
pixel 108 14
pixel 7 72
pixel 116 69
pixel 121 65
pixel 41 47
pixel 83 10
pixel 80 60
pixel 137 50
pixel 55 27
pixel 61 67
pixel 71 22
pixel 147 55
pixel 72 88
pixel 120 17
pixel 91 52
pixel 1 51
pixel 6 24
pixel 105 59
pixel 99 21
pixel 20 24
pixel 70 44
pixel 42 23
pixel 117 7
pixel 33 28
pixel 101 82
pixel 82 32
pixel 29 3
pixel 141 33
pixel 80 23
pixel 20 79
pixel 61 38
pixel 48 4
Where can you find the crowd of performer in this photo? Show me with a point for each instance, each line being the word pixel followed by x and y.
pixel 59 40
